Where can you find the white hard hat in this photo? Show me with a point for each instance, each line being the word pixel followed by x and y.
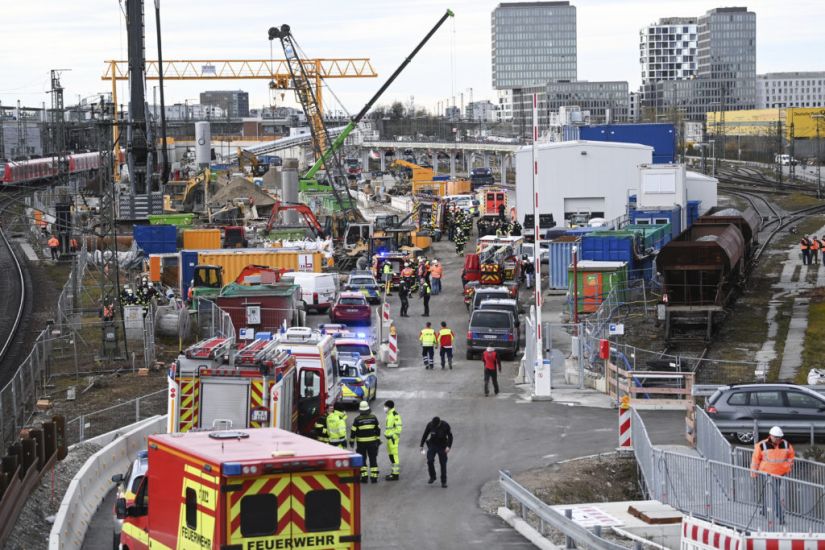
pixel 435 261
pixel 490 348
pixel 776 431
pixel 364 406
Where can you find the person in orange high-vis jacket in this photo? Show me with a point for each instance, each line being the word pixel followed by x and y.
pixel 54 246
pixel 815 250
pixel 774 456
pixel 436 270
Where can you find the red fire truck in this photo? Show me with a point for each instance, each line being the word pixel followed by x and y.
pixel 244 489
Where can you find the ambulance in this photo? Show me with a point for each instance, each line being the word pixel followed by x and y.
pixel 212 384
pixel 250 489
pixel 317 364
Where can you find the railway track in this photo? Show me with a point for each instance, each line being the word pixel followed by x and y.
pixel 13 285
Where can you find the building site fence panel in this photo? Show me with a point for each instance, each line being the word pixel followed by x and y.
pixel 93 424
pixel 726 493
pixel 213 321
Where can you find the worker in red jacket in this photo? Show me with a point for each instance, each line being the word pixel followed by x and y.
pixel 491 363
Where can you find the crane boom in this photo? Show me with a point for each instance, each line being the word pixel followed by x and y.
pixel 353 123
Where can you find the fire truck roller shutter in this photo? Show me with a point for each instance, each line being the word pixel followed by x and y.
pixel 224 400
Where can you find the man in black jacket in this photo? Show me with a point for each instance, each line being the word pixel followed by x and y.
pixel 439 439
pixel 365 436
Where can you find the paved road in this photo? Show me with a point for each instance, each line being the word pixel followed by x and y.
pixel 491 433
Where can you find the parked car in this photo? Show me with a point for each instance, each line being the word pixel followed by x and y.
pixel 793 408
pixel 127 486
pixel 351 307
pixel 492 328
pixel 365 283
pixel 348 342
pixel 317 289
pixel 359 382
pixel 489 293
pixel 507 304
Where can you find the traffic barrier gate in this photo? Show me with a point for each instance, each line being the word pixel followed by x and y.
pixel 625 425
pixel 702 535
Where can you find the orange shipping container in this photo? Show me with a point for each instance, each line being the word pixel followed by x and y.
pixel 459 187
pixel 154 268
pixel 234 261
pixel 201 239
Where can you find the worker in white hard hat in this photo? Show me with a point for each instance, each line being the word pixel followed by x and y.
pixel 365 436
pixel 773 458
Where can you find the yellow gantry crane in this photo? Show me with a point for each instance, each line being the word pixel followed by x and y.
pixel 276 71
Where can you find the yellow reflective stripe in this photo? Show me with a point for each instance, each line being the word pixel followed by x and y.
pixel 198 473
pixel 136 533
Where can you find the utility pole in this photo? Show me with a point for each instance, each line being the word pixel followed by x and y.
pixel 791 167
pixel 818 118
pixel 779 149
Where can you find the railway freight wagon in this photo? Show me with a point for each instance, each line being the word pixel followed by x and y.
pixel 699 270
pixel 747 222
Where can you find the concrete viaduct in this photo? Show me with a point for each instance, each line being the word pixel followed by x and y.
pixel 490 155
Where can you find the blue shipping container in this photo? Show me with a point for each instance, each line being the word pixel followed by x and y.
pixel 692 212
pixel 673 217
pixel 186 269
pixel 616 248
pixel 662 137
pixel 561 256
pixel 156 239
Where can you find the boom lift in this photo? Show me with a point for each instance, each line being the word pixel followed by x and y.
pixel 323 149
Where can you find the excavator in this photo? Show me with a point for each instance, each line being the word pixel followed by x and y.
pixel 300 208
pixel 188 195
pixel 245 157
pixel 327 152
pixel 208 279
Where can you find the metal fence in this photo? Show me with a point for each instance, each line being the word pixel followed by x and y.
pixel 713 445
pixel 99 422
pixel 213 321
pixel 534 510
pixel 726 493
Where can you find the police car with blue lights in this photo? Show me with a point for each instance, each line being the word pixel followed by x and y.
pixel 359 381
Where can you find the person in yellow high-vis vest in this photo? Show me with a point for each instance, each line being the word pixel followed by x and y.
pixel 392 432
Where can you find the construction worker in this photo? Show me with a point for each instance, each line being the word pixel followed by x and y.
pixel 365 436
pixel 73 247
pixel 815 250
pixel 446 337
pixel 403 294
pixel 436 271
pixel 491 363
pixel 773 456
pixel 427 339
pixel 439 439
pixel 337 426
pixel 319 430
pixel 392 432
pixel 426 291
pixel 804 245
pixel 54 247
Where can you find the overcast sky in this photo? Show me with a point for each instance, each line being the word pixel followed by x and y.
pixel 39 35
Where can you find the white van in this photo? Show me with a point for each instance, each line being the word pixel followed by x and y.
pixel 317 289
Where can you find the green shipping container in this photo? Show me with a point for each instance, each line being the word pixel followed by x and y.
pixel 595 281
pixel 171 219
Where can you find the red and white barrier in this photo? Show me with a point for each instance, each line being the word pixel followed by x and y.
pixel 701 535
pixel 625 425
pixel 785 541
pixel 392 347
pixel 386 312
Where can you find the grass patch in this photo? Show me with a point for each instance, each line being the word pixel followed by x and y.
pixel 796 200
pixel 783 321
pixel 812 357
pixel 808 226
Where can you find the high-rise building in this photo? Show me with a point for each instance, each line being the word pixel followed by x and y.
pixel 793 89
pixel 233 102
pixel 668 49
pixel 727 58
pixel 694 65
pixel 533 43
